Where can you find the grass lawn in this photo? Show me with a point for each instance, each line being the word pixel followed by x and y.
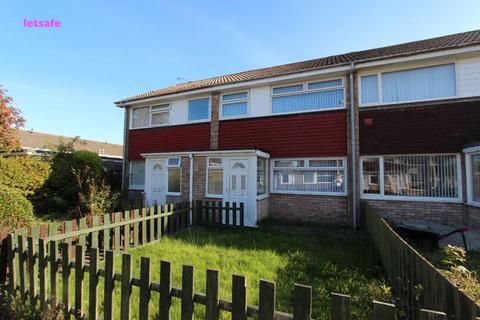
pixel 330 260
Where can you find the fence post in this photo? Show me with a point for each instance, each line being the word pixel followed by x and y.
pixel 266 303
pixel 126 289
pixel 65 279
pixel 92 285
pixel 242 214
pixel 234 214
pixel 106 234
pixel 136 234
pixel 79 281
pixel 144 288
pixel 340 307
pixel 82 226
pixel 94 235
pixel 198 212
pixel 227 213
pixel 151 224
pixel 211 306
pixel 144 226
pixel 53 256
pixel 165 287
pixel 302 302
pixel 239 297
pixel 42 272
pixel 187 292
pixel 22 273
pixel 32 275
pixel 118 218
pixel 109 285
pixel 126 231
pixel 12 283
pixel 383 311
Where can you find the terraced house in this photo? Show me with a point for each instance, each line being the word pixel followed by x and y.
pixel 397 127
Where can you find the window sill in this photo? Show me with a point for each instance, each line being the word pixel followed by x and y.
pixel 338 194
pixel 141 188
pixel 263 196
pixel 173 194
pixel 380 104
pixel 474 204
pixel 406 198
pixel 216 196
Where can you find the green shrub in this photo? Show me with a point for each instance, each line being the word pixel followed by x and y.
pixel 27 174
pixel 15 210
pixel 69 178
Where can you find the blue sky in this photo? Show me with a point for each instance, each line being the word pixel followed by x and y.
pixel 65 79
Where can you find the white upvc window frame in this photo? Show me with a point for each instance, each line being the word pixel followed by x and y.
pixel 381 178
pixel 380 89
pixel 267 179
pixel 135 186
pixel 167 109
pixel 175 166
pixel 208 167
pixel 222 103
pixel 306 90
pixel 209 109
pixel 306 167
pixel 469 152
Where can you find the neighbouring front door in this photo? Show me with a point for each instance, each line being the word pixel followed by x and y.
pixel 238 184
pixel 158 186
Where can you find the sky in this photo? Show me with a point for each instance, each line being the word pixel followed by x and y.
pixel 66 79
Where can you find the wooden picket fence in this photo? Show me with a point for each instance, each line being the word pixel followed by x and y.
pixel 31 265
pixel 121 230
pixel 414 279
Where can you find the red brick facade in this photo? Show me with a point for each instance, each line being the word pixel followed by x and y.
pixel 309 208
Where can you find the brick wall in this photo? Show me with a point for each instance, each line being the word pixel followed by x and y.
pixel 309 208
pixel 214 125
pixel 447 213
pixel 473 216
pixel 262 208
pixel 199 177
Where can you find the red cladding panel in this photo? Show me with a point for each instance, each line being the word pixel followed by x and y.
pixel 166 139
pixel 301 135
pixel 423 129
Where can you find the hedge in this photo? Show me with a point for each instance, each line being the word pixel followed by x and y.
pixel 27 174
pixel 15 210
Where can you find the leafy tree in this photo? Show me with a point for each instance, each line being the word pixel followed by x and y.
pixel 10 120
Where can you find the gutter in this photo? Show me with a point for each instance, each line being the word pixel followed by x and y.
pixel 354 149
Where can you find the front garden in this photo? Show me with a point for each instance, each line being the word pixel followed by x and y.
pixel 330 260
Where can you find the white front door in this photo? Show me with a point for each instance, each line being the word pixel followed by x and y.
pixel 238 185
pixel 158 186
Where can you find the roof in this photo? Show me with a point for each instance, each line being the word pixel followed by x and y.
pixel 38 140
pixel 434 44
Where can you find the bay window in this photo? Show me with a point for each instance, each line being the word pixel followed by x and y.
pixel 215 177
pixel 150 116
pixel 310 176
pixel 136 177
pixel 429 177
pixel 234 105
pixel 199 109
pixel 174 175
pixel 472 158
pixel 424 83
pixel 308 96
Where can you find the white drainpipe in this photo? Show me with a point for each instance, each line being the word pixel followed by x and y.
pixel 354 144
pixel 190 183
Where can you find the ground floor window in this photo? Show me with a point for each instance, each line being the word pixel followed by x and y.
pixel 174 175
pixel 136 175
pixel 215 176
pixel 261 176
pixel 310 176
pixel 415 176
pixel 472 158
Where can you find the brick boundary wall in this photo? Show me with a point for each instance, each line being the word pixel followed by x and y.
pixel 473 216
pixel 309 209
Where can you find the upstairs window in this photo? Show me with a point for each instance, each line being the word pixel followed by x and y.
pixel 312 96
pixel 235 105
pixel 199 109
pixel 429 177
pixel 150 116
pixel 426 83
pixel 312 176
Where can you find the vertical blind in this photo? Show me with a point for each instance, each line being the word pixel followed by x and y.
pixel 418 84
pixel 308 101
pixel 369 89
pixel 234 109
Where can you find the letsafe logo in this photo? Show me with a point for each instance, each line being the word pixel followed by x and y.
pixel 41 23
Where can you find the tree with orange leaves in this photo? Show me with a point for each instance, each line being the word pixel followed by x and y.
pixel 10 121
